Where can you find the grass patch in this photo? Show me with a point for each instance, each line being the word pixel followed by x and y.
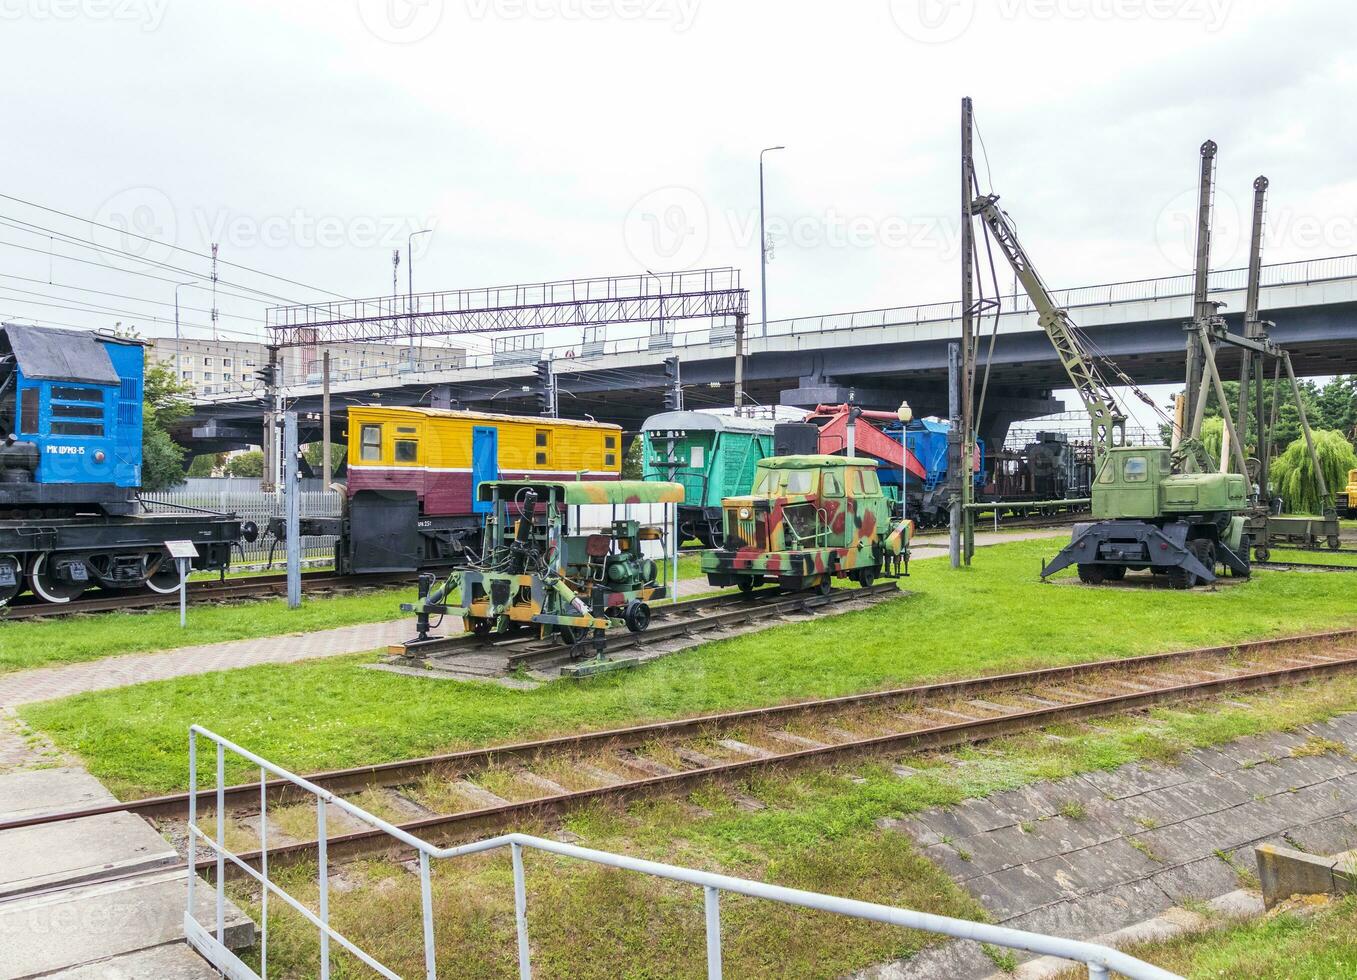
pixel 1321 556
pixel 1290 944
pixel 73 639
pixel 996 616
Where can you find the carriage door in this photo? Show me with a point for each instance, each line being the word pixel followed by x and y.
pixel 484 463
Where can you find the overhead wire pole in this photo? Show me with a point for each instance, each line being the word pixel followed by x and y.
pixel 1203 310
pixel 963 518
pixel 1251 361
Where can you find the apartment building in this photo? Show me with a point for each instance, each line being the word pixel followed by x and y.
pixel 216 368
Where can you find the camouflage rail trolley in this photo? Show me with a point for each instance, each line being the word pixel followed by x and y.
pixel 807 521
pixel 536 573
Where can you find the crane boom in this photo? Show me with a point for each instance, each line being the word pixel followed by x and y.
pixel 1107 421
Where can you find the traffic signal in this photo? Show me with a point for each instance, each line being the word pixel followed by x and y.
pixel 267 375
pixel 545 383
pixel 673 388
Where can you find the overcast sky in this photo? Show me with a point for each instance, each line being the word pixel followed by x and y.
pixel 546 139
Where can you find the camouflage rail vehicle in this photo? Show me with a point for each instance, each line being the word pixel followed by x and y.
pixel 807 521
pixel 1147 516
pixel 536 573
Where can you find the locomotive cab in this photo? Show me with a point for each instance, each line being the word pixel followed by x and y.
pixel 806 521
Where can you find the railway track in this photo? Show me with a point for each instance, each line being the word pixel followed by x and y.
pixel 474 792
pixel 1275 564
pixel 254 587
pixel 471 655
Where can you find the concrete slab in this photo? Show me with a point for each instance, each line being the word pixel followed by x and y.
pixel 37 792
pixel 84 925
pixel 173 962
pixel 34 858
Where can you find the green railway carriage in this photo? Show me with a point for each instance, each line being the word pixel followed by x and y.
pixel 710 456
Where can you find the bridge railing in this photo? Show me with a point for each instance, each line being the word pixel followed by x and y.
pixel 574 356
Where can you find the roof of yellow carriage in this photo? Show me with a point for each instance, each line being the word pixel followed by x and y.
pixel 457 415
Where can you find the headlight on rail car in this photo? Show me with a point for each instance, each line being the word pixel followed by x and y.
pixel 744 513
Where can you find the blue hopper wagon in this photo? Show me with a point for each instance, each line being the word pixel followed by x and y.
pixel 70 466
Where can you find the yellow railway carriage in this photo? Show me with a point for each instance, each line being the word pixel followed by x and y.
pixel 413 474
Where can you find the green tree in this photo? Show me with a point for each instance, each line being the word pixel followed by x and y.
pixel 206 464
pixel 249 464
pixel 312 453
pixel 1293 474
pixel 165 402
pixel 631 462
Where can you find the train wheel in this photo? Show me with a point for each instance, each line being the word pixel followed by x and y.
pixel 867 576
pixel 11 578
pixel 637 616
pixel 47 587
pixel 165 579
pixel 825 585
pixel 746 585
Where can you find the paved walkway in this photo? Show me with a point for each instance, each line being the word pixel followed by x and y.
pixel 46 683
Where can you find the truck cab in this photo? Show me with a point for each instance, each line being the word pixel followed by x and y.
pixel 807 520
pixel 1138 482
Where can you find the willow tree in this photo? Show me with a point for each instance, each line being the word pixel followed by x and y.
pixel 1293 473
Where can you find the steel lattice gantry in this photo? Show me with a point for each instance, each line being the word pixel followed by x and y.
pixel 693 294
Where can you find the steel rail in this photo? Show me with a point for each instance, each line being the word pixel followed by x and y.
pixel 456 826
pixel 400 772
pixel 1275 565
pixel 199 591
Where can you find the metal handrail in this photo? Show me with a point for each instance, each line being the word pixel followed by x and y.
pixel 1099 959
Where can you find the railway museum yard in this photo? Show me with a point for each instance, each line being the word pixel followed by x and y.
pixel 1082 785
pixel 578 490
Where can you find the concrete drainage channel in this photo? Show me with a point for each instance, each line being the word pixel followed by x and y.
pixel 1113 857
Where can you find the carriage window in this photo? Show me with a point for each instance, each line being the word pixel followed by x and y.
pixel 833 487
pixel 610 459
pixel 865 483
pixel 1135 469
pixel 696 458
pixel 543 442
pixel 370 444
pixel 800 481
pixel 610 442
pixel 77 428
pixel 407 450
pixel 28 411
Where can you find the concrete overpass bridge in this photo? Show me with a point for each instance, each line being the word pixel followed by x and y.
pixel 883 355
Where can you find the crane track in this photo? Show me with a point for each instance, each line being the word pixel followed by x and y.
pixel 918 718
pixel 254 587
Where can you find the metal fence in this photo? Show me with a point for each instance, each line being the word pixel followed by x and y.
pixel 211 942
pixel 244 498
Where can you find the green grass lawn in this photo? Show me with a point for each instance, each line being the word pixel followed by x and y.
pixel 992 617
pixel 1321 556
pixel 1296 943
pixel 44 642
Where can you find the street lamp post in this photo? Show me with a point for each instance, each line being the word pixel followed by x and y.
pixel 178 350
pixel 410 290
pixel 763 247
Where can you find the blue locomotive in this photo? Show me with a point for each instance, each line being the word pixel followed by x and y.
pixel 70 466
